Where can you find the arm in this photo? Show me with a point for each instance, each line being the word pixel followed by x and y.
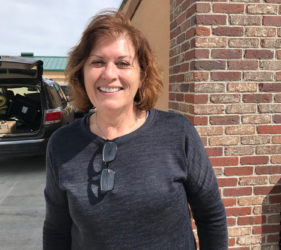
pixel 204 197
pixel 57 224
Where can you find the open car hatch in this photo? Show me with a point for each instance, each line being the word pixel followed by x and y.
pixel 12 67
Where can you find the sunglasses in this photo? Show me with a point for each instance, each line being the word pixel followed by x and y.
pixel 107 175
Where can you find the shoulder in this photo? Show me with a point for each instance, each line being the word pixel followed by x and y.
pixel 68 134
pixel 173 120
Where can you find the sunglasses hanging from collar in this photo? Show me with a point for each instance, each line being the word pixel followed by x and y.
pixel 107 175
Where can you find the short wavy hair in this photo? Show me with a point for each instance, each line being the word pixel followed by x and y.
pixel 113 24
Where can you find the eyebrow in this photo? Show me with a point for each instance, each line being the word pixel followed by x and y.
pixel 119 57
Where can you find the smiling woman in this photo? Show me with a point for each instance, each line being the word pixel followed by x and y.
pixel 124 176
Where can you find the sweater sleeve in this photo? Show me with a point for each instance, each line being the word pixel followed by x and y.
pixel 57 224
pixel 203 195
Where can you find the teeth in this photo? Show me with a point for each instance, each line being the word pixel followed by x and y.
pixel 109 90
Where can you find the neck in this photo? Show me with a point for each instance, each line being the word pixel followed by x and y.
pixel 113 125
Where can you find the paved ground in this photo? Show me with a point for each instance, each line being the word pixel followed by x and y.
pixel 22 205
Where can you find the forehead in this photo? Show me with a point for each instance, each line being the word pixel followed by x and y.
pixel 120 42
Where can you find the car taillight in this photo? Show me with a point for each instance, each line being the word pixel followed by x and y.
pixel 52 116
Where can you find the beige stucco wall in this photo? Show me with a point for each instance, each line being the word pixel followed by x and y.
pixel 57 76
pixel 152 18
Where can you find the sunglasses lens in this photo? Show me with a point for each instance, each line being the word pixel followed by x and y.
pixel 107 180
pixel 109 151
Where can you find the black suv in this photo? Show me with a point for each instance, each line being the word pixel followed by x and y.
pixel 31 107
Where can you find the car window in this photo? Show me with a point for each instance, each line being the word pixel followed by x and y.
pixel 53 97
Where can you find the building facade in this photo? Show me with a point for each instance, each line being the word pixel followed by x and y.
pixel 225 76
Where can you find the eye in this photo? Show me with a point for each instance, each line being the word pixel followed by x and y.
pixel 123 64
pixel 98 63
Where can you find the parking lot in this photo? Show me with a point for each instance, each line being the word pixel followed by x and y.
pixel 22 205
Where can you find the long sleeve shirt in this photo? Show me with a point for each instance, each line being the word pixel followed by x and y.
pixel 161 169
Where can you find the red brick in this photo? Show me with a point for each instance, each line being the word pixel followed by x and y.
pixel 254 160
pixel 202 31
pixel 226 76
pixel 269 129
pixel 214 151
pixel 268 169
pixel 251 220
pixel 228 31
pixel 241 191
pixel 272 21
pixel 264 229
pixel 229 202
pixel 257 98
pixel 203 7
pixel 179 97
pixel 228 8
pixel 210 19
pixel 172 96
pixel 273 238
pixel 273 1
pixel 196 120
pixel 180 38
pixel 270 87
pixel 230 222
pixel 243 65
pixel 224 120
pixel 207 65
pixel 180 78
pixel 275 199
pixel 267 190
pixel 227 182
pixel 226 53
pixel 224 161
pixel 277 118
pixel 196 99
pixel 234 171
pixel 273 219
pixel 201 53
pixel 231 242
pixel 238 211
pixel 259 54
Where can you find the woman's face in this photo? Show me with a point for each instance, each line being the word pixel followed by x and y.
pixel 112 74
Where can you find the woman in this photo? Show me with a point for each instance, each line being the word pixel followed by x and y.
pixel 124 176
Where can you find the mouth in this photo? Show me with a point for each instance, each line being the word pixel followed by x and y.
pixel 109 90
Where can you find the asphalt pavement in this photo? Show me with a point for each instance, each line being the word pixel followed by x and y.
pixel 22 205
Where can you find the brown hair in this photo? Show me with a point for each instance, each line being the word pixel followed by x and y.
pixel 113 24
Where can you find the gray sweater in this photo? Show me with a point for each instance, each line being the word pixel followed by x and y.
pixel 161 169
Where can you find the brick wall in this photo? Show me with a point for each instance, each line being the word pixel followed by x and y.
pixel 225 75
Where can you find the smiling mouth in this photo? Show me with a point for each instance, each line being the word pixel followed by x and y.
pixel 109 90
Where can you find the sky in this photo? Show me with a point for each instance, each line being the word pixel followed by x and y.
pixel 46 27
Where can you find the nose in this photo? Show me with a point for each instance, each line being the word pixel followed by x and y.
pixel 109 72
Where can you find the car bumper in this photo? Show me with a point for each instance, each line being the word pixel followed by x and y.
pixel 23 147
